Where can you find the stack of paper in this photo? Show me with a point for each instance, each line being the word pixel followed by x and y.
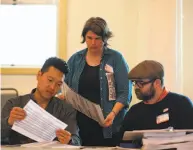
pixel 164 134
pixel 139 134
pixel 178 146
pixel 168 140
pixel 162 139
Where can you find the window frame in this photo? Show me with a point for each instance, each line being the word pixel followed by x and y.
pixel 61 43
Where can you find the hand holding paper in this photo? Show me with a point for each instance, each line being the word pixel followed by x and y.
pixel 109 120
pixel 38 124
pixel 63 136
pixel 61 96
pixel 16 114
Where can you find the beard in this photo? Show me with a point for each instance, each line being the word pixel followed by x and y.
pixel 146 95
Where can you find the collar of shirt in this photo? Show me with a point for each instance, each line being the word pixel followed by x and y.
pixel 33 98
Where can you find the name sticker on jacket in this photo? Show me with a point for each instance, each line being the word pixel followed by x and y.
pixel 111 82
pixel 162 118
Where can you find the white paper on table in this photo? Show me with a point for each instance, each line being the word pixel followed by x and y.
pixel 40 144
pixel 52 144
pixel 168 140
pixel 90 109
pixel 178 146
pixel 139 134
pixel 38 124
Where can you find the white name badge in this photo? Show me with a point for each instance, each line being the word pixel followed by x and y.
pixel 111 86
pixel 111 82
pixel 162 118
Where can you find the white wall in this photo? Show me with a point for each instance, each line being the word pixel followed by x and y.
pixel 188 48
pixel 143 29
pixel 23 83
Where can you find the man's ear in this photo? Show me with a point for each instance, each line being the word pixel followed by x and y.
pixel 158 82
pixel 38 74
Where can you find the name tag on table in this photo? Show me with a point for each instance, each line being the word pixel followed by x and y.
pixel 162 118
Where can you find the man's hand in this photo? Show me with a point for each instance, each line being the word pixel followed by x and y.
pixel 60 96
pixel 109 119
pixel 16 113
pixel 63 136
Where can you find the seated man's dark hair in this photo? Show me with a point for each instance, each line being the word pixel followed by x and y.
pixel 56 63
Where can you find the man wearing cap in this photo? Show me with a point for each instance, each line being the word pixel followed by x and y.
pixel 159 108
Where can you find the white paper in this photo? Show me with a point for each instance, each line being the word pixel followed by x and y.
pixel 40 144
pixel 139 134
pixel 179 146
pixel 38 124
pixel 52 144
pixel 168 140
pixel 83 105
pixel 164 134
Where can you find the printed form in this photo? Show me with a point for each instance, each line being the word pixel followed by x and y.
pixel 83 105
pixel 38 124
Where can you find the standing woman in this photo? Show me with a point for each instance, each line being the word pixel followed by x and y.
pixel 100 74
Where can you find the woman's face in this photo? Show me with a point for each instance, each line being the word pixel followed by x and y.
pixel 94 42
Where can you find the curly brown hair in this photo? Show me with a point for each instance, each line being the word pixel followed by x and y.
pixel 98 26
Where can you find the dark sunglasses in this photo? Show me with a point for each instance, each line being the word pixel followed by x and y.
pixel 141 84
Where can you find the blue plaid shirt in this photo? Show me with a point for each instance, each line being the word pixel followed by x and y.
pixel 123 86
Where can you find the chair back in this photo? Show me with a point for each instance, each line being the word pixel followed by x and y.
pixel 6 94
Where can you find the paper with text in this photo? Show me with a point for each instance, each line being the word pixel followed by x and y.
pixel 83 105
pixel 38 124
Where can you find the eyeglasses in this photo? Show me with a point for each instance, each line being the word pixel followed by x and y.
pixel 141 84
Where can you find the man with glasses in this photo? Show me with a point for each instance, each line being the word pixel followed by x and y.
pixel 159 108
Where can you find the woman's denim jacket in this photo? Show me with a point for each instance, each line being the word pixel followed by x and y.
pixel 123 87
